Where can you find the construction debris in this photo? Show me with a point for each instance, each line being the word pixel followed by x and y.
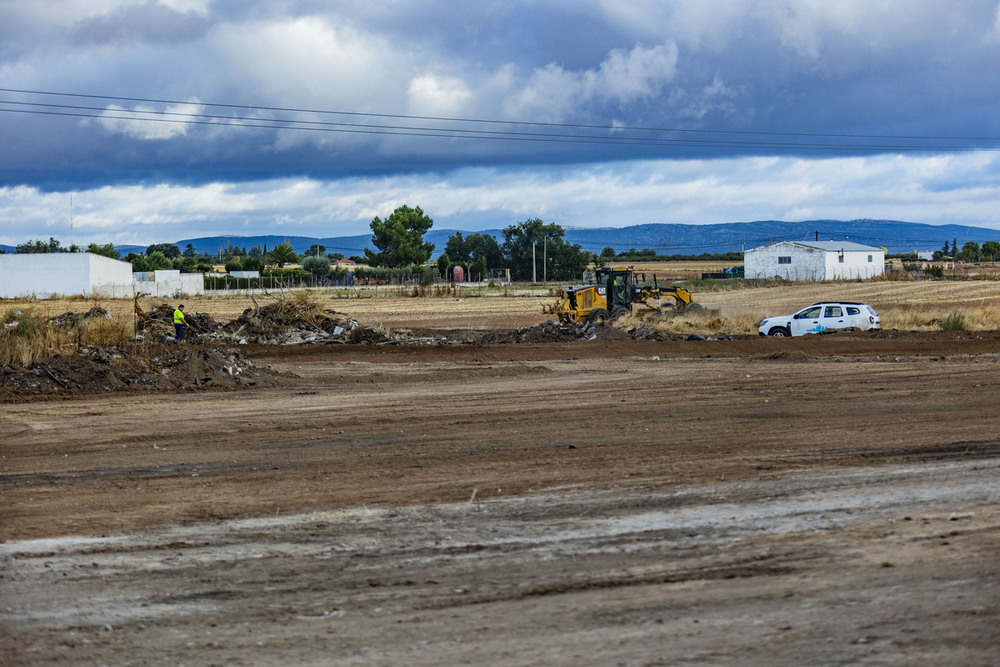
pixel 114 369
pixel 70 320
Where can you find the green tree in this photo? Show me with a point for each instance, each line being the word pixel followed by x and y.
pixel 316 249
pixel 189 251
pixel 157 260
pixel 954 247
pixel 318 265
pixel 562 260
pixel 283 254
pixel 139 262
pixel 400 239
pixel 234 265
pixel 253 264
pixel 990 251
pixel 475 247
pixel 169 250
pixel 456 248
pixel 107 250
pixel 609 252
pixel 444 264
pixel 186 264
pixel 478 268
pixel 38 246
pixel 970 252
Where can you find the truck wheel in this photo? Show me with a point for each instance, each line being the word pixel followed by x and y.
pixel 597 316
pixel 780 332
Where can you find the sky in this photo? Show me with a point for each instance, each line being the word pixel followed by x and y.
pixel 146 122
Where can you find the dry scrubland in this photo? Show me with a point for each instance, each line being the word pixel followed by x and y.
pixel 737 309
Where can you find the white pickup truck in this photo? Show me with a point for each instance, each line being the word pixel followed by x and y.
pixel 821 317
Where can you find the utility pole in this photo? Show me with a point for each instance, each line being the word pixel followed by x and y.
pixel 534 271
pixel 545 260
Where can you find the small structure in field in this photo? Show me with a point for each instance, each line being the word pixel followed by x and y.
pixel 814 260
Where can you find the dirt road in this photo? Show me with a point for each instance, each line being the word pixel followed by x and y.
pixel 821 501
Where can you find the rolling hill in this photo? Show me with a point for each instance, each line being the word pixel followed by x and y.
pixel 665 239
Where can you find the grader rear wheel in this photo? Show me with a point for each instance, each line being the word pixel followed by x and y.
pixel 597 316
pixel 620 311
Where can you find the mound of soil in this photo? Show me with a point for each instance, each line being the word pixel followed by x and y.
pixel 114 369
pixel 546 332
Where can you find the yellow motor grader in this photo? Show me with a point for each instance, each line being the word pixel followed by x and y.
pixel 616 292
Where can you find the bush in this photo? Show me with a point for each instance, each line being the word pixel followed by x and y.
pixel 25 338
pixel 954 322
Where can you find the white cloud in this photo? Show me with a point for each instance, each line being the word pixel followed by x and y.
pixel 934 190
pixel 149 123
pixel 553 93
pixel 433 95
pixel 312 61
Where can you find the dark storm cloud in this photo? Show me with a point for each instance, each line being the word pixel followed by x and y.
pixel 187 83
pixel 150 22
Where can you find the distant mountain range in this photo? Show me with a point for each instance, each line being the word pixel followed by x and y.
pixel 665 239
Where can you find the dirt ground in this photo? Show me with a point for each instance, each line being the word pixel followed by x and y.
pixel 827 500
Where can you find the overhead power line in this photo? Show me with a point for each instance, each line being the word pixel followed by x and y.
pixel 441 127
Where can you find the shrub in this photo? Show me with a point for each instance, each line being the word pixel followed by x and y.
pixel 954 322
pixel 25 338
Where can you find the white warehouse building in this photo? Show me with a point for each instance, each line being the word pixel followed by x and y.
pixel 819 260
pixel 46 275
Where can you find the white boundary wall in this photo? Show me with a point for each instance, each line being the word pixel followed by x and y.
pixel 821 261
pixel 45 275
pixel 168 283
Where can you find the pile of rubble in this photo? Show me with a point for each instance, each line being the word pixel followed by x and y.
pixel 158 324
pixel 114 369
pixel 70 320
pixel 546 332
pixel 287 323
pixel 280 323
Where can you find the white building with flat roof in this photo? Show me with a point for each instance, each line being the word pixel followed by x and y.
pixel 51 274
pixel 819 260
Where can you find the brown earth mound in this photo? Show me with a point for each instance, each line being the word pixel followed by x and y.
pixel 114 369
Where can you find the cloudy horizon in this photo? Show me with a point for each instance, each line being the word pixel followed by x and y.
pixel 169 119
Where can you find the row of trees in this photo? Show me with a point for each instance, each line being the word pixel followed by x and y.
pixel 970 252
pixel 649 255
pixel 530 248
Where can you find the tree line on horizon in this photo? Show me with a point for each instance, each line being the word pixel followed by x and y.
pixel 530 249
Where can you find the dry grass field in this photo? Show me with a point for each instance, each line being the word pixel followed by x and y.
pixel 905 305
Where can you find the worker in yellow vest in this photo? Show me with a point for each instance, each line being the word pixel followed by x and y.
pixel 180 324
